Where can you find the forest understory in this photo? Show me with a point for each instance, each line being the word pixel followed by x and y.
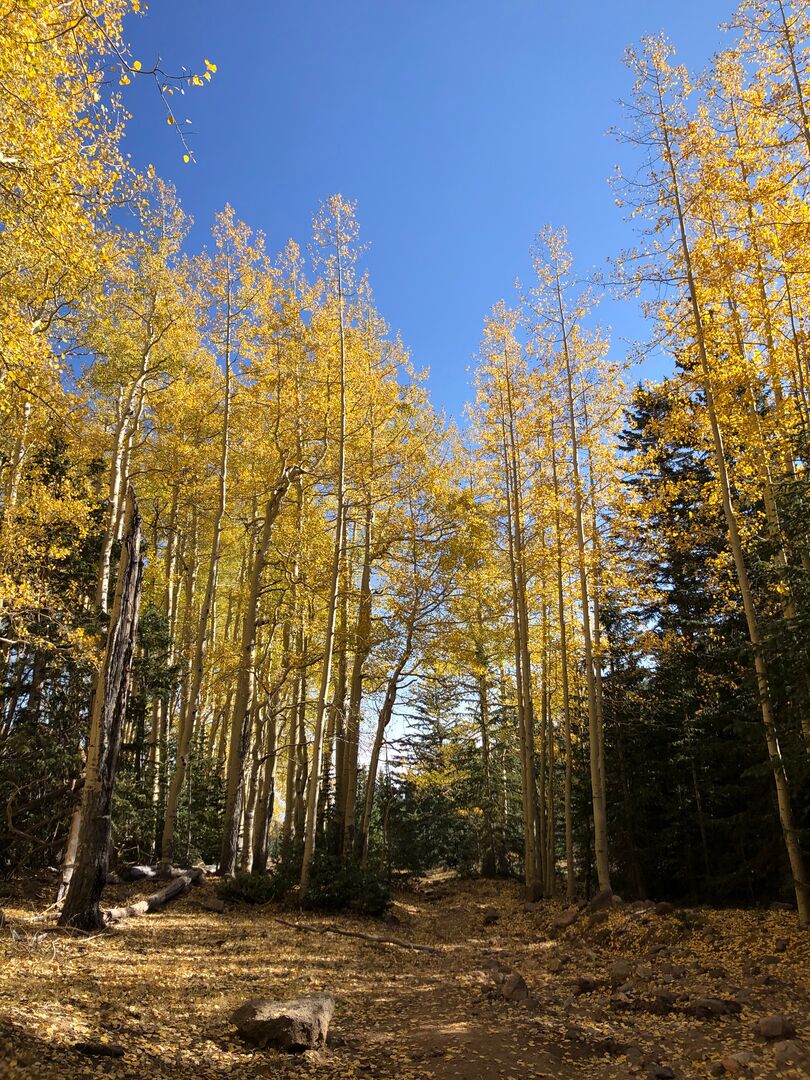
pixel 621 992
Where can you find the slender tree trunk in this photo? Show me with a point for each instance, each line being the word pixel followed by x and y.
pixel 331 611
pixel 247 678
pixel 188 721
pixel 594 729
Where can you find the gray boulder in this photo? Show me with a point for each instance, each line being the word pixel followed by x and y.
pixel 293 1026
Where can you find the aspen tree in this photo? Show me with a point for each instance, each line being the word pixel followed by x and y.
pixel 336 231
pixel 659 95
pixel 552 266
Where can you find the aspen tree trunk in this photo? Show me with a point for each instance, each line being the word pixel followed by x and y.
pixel 489 862
pixel 247 677
pixel 594 729
pixel 246 842
pixel 301 762
pixel 792 845
pixel 570 885
pixel 292 756
pixel 383 720
pixel 335 727
pixel 85 884
pixel 362 647
pixel 123 429
pixel 772 514
pixel 522 693
pixel 329 635
pixel 267 793
pixel 790 49
pixel 15 467
pixel 188 720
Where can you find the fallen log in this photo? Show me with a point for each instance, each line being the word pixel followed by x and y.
pixel 373 938
pixel 156 901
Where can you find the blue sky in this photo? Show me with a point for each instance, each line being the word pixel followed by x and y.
pixel 459 126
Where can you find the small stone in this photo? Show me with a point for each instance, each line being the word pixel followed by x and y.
pixel 789 1052
pixel 775 1027
pixel 514 987
pixel 619 972
pixel 663 1001
pixel 566 918
pixel 603 899
pixel 736 1064
pixel 707 1008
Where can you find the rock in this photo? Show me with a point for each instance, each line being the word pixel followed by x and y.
pixel 774 1027
pixel 98 1049
pixel 621 1001
pixel 663 1001
pixel 707 1008
pixel 565 918
pixel 780 945
pixel 514 987
pixel 293 1026
pixel 736 1064
pixel 213 903
pixel 491 916
pixel 619 972
pixel 789 1052
pixel 509 983
pixel 664 908
pixel 603 899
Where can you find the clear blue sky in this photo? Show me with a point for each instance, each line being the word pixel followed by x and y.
pixel 459 126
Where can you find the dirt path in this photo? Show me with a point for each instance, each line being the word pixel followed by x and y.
pixel 163 987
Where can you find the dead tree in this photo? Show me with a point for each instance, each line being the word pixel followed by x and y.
pixel 89 874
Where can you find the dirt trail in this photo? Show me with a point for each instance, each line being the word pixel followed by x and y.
pixel 163 987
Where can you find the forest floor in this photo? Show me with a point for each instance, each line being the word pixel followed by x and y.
pixel 617 994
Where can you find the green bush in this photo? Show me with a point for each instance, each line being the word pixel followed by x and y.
pixel 254 888
pixel 338 886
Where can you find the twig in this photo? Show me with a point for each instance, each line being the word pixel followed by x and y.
pixel 397 942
